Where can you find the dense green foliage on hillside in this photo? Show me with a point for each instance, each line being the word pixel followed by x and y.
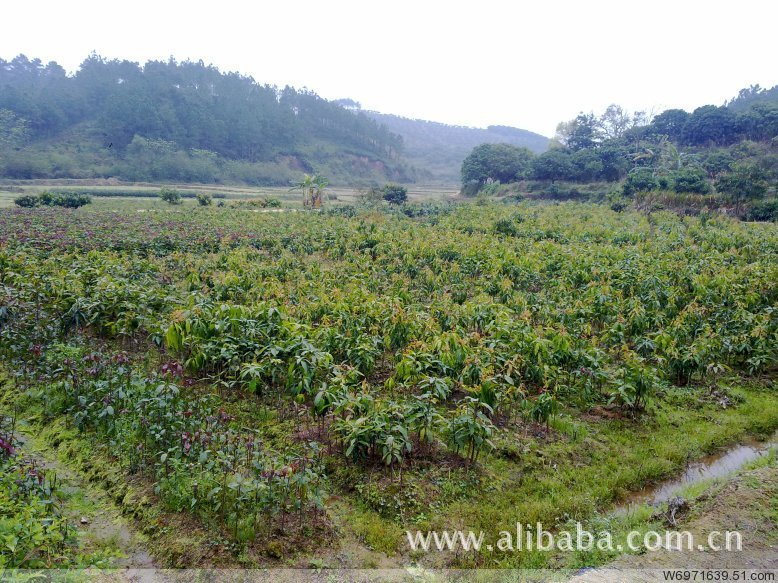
pixel 179 121
pixel 731 151
pixel 753 95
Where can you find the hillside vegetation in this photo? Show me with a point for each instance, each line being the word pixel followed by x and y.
pixel 726 154
pixel 186 122
pixel 189 122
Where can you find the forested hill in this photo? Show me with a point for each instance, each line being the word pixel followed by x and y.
pixel 182 121
pixel 441 148
pixel 754 96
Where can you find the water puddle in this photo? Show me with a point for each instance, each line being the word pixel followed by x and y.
pixel 713 466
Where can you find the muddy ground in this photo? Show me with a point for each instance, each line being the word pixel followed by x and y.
pixel 747 503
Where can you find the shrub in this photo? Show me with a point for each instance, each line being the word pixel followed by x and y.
pixel 72 201
pixel 395 193
pixel 490 189
pixel 745 182
pixel 766 210
pixel 691 180
pixel 69 200
pixel 258 203
pixel 471 189
pixel 170 195
pixel 640 180
pixel 506 227
pixel 204 199
pixel 372 196
pixel 619 206
pixel 28 201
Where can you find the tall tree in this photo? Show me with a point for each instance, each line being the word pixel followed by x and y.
pixel 615 121
pixel 579 133
pixel 670 123
pixel 711 125
pixel 556 164
pixel 496 162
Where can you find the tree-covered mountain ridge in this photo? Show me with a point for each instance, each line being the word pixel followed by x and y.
pixel 181 121
pixel 190 122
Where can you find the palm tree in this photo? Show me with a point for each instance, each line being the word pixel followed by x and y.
pixel 306 185
pixel 319 183
pixel 312 188
pixel 664 158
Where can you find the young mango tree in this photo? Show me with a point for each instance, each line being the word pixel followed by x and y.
pixel 543 408
pixel 635 385
pixel 471 429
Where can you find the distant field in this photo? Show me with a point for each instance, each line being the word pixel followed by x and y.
pixel 119 195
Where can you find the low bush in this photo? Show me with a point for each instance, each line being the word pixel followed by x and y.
pixel 692 180
pixel 262 203
pixel 73 201
pixel 766 210
pixel 395 194
pixel 27 201
pixel 170 195
pixel 640 180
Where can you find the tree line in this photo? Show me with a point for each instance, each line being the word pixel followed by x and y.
pixel 187 107
pixel 675 150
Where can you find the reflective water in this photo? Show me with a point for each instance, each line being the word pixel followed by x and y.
pixel 712 466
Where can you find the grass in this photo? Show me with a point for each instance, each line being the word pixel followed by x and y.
pixel 557 481
pixel 560 480
pixel 375 533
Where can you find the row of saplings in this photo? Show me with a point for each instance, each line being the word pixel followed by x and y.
pixel 33 532
pixel 391 430
pixel 419 413
pixel 253 350
pixel 201 463
pixel 159 425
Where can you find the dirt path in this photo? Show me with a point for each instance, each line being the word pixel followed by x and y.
pixel 101 526
pixel 747 504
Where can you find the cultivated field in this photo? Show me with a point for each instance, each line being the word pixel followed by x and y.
pixel 106 195
pixel 299 389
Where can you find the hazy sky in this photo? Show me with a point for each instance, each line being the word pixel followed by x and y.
pixel 529 64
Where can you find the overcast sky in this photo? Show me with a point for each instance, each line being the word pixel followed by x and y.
pixel 529 64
